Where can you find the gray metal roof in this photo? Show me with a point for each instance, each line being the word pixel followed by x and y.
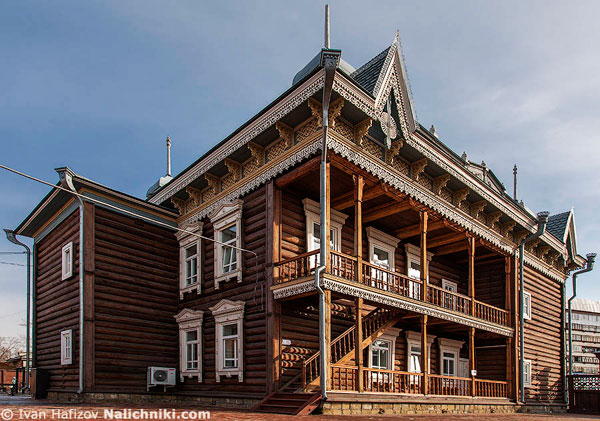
pixel 588 306
pixel 367 75
pixel 558 224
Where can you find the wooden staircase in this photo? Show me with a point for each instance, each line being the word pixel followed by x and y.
pixel 289 403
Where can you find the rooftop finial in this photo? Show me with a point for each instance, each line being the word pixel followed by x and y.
pixel 327 26
pixel 515 182
pixel 168 156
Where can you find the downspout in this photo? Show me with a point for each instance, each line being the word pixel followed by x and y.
pixel 588 267
pixel 329 61
pixel 542 220
pixel 66 181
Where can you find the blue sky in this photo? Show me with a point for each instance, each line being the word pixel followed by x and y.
pixel 98 86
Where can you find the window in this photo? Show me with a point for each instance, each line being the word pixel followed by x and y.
pixel 413 344
pixel 66 347
pixel 449 355
pixel 527 373
pixel 229 339
pixel 449 299
pixel 382 248
pixel 413 268
pixel 312 211
pixel 227 224
pixel 380 355
pixel 190 343
pixel 190 273
pixel 526 305
pixel 67 261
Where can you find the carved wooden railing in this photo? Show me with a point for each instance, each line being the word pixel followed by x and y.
pixel 297 267
pixel 343 265
pixel 449 386
pixel 344 343
pixel 491 314
pixel 388 280
pixel 344 378
pixel 448 299
pixel 391 381
pixel 490 388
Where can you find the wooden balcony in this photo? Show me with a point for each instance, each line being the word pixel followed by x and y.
pixel 399 285
pixel 345 379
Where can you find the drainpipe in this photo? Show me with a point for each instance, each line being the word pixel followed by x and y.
pixel 588 267
pixel 542 220
pixel 329 62
pixel 66 181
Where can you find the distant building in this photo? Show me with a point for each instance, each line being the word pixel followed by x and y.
pixel 586 336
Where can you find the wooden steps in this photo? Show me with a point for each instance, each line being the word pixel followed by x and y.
pixel 289 403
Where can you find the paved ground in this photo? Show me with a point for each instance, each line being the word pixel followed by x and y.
pixel 20 408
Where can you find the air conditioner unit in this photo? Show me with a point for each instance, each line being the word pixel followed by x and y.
pixel 161 376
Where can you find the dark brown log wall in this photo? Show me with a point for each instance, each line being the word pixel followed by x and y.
pixel 543 338
pixel 251 290
pixel 57 304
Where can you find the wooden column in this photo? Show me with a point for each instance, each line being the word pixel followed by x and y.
pixel 471 252
pixel 327 311
pixel 472 365
pixel 328 218
pixel 359 183
pixel 273 310
pixel 515 324
pixel 358 338
pixel 508 305
pixel 424 266
pixel 89 267
pixel 509 369
pixel 424 355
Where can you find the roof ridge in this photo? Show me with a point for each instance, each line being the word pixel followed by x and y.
pixel 370 62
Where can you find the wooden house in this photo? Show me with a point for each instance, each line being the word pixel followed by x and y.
pixel 214 273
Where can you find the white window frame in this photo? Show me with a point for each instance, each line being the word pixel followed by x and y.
pixel 414 339
pixel 526 307
pixel 67 261
pixel 66 347
pixel 413 254
pixel 451 300
pixel 189 320
pixel 453 347
pixel 383 241
pixel 186 240
pixel 227 215
pixel 228 312
pixel 312 211
pixel 390 336
pixel 527 370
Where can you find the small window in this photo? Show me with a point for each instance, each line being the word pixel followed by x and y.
pixel 191 346
pixel 229 340
pixel 526 306
pixel 227 225
pixel 380 355
pixel 228 252
pixel 191 265
pixel 66 347
pixel 190 343
pixel 67 261
pixel 190 274
pixel 230 346
pixel 448 363
pixel 415 359
pixel 527 373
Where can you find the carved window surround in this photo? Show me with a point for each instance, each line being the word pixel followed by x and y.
pixel 227 313
pixel 188 321
pixel 228 216
pixel 187 240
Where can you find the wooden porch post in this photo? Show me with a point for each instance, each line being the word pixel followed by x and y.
pixel 472 366
pixel 424 355
pixel 471 252
pixel 359 182
pixel 327 309
pixel 509 380
pixel 508 306
pixel 358 338
pixel 515 324
pixel 327 238
pixel 424 267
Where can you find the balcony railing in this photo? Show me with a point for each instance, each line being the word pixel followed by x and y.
pixel 345 378
pixel 345 267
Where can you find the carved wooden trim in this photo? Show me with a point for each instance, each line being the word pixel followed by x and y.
pixel 258 153
pixel 440 182
pixel 361 129
pixel 531 245
pixel 477 208
pixel 335 110
pixel 553 257
pixel 543 250
pixel 417 168
pixel 317 110
pixel 213 182
pixel 460 196
pixel 520 236
pixel 507 227
pixel 195 195
pixel 493 218
pixel 394 150
pixel 234 168
pixel 286 133
pixel 179 204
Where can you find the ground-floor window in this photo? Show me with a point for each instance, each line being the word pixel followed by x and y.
pixel 190 343
pixel 229 339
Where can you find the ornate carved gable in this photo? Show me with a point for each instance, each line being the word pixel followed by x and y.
pixel 188 315
pixel 226 209
pixel 225 307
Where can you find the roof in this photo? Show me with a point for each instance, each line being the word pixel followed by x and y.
pixel 558 224
pixel 367 75
pixel 588 306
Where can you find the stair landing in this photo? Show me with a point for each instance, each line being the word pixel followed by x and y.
pixel 289 403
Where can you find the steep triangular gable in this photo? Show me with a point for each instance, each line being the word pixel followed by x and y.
pixel 393 77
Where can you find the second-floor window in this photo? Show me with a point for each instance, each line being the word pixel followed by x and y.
pixel 191 265
pixel 312 211
pixel 227 225
pixel 190 273
pixel 67 261
pixel 526 306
